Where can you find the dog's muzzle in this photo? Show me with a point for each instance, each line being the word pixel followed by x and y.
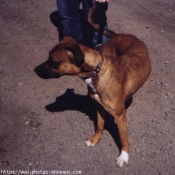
pixel 44 72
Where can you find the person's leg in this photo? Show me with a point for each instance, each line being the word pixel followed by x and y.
pixel 70 19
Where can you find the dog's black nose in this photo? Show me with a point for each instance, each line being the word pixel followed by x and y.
pixel 45 72
pixel 41 72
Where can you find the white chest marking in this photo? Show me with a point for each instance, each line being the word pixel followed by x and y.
pixel 89 83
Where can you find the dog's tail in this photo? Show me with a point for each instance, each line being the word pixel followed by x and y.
pixel 97 19
pixel 109 33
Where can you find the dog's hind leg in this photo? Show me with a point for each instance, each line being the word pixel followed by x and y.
pixel 123 133
pixel 119 115
pixel 92 141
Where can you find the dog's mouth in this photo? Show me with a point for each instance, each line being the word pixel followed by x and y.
pixel 44 72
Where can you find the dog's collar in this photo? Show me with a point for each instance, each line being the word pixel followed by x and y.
pixel 95 71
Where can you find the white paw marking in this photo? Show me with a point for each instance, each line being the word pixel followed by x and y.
pixel 123 159
pixel 88 143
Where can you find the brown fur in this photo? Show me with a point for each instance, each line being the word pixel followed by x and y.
pixel 125 69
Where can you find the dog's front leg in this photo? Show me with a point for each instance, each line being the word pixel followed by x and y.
pixel 92 141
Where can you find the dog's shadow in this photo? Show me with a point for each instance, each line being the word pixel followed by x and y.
pixel 83 103
pixel 71 101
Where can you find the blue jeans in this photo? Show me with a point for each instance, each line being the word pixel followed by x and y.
pixel 74 22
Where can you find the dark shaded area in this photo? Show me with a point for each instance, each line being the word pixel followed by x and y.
pixel 56 21
pixel 71 101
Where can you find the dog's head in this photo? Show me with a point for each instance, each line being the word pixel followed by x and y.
pixel 65 58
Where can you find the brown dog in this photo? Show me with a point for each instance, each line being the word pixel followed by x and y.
pixel 112 76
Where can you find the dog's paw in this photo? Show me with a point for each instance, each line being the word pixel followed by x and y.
pixel 92 141
pixel 89 143
pixel 123 159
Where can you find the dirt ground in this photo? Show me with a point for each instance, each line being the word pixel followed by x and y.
pixel 34 135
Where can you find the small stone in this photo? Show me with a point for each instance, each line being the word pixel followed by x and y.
pixel 20 83
pixel 154 120
pixel 30 164
pixel 86 116
pixel 27 122
pixel 168 94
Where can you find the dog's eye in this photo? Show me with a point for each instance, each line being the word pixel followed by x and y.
pixel 53 65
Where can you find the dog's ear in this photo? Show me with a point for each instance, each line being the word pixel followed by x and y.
pixel 77 53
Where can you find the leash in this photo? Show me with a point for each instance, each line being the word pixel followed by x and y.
pixel 95 71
